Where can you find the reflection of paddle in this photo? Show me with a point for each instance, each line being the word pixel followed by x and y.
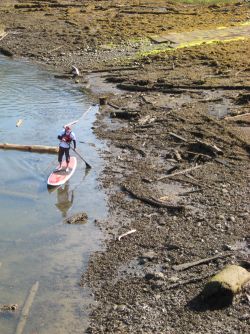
pixel 87 165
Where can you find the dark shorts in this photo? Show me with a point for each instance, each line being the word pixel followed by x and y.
pixel 61 152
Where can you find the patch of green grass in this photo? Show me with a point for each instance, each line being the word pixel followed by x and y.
pixel 186 45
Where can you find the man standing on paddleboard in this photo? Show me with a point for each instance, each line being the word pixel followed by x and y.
pixel 66 136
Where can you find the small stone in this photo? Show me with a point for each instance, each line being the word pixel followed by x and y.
pixel 232 219
pixel 149 255
pixel 244 215
pixel 159 275
pixel 121 308
pixel 227 247
pixel 245 316
pixel 173 279
pixel 158 296
pixel 154 276
pixel 80 218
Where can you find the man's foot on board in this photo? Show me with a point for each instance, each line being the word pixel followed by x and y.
pixel 67 170
pixel 58 169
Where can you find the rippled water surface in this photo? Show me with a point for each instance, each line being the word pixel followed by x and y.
pixel 35 244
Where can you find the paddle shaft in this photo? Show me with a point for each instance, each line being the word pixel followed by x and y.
pixel 74 122
pixel 87 165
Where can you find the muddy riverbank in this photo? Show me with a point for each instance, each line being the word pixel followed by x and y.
pixel 177 159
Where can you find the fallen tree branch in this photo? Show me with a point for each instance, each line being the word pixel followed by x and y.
pixel 133 88
pixel 153 201
pixel 127 233
pixel 188 265
pixel 205 87
pixel 130 68
pixel 155 11
pixel 172 134
pixel 137 88
pixel 179 173
pixel 6 52
pixel 26 309
pixel 42 6
pixel 142 12
pixel 191 192
pixel 230 132
pixel 3 35
pixel 209 147
pixel 55 49
pixel 233 118
pixel 126 114
pixel 188 281
pixel 113 105
pixel 171 89
pixel 195 183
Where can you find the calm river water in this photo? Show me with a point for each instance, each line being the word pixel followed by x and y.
pixel 35 244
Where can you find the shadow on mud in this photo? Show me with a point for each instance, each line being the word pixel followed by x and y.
pixel 218 301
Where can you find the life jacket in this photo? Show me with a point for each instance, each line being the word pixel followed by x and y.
pixel 67 137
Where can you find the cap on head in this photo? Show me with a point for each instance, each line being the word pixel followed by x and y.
pixel 68 127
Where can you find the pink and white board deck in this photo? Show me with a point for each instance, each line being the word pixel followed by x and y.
pixel 57 178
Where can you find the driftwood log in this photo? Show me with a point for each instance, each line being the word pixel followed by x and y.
pixel 228 281
pixel 3 34
pixel 40 5
pixel 124 114
pixel 26 308
pixel 125 234
pixel 179 173
pixel 30 148
pixel 6 52
pixel 188 265
pixel 151 200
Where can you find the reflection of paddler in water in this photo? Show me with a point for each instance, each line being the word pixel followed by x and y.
pixel 64 199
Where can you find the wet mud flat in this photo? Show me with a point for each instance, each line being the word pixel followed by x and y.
pixel 177 169
pixel 177 179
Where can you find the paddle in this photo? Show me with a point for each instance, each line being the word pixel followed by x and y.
pixel 87 165
pixel 74 122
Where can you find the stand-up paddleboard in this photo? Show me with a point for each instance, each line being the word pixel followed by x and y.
pixel 57 178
